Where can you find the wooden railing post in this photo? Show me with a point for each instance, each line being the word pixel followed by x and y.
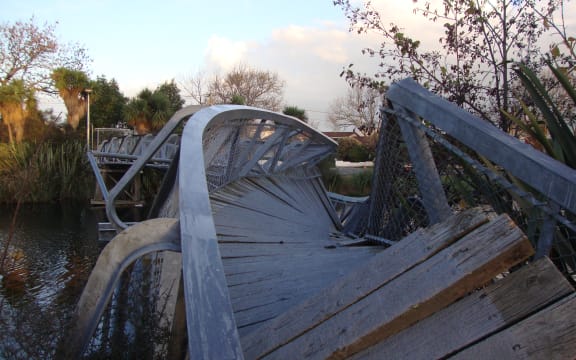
pixel 429 182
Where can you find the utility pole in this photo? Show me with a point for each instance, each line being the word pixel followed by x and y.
pixel 88 129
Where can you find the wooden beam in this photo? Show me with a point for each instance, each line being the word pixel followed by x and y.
pixel 414 295
pixel 477 316
pixel 382 268
pixel 552 178
pixel 549 334
pixel 429 182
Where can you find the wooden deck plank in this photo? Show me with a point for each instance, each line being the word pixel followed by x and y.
pixel 278 278
pixel 549 334
pixel 261 290
pixel 476 316
pixel 372 275
pixel 416 294
pixel 277 246
pixel 262 209
pixel 287 277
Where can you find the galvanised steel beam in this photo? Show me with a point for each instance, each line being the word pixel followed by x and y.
pixel 212 331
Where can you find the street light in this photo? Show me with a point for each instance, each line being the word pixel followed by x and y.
pixel 88 132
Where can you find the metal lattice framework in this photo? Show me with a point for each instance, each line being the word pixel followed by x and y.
pixel 248 195
pixel 126 149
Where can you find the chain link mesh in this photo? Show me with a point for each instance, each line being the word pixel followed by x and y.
pixel 395 207
pixel 129 327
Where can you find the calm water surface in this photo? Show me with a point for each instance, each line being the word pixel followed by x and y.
pixel 46 264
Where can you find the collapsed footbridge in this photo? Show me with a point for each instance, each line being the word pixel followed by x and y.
pixel 252 257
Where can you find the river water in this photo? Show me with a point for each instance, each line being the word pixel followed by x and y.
pixel 46 264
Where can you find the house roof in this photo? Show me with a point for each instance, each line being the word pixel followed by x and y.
pixel 339 134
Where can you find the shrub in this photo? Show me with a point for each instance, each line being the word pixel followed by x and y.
pixel 43 172
pixel 350 149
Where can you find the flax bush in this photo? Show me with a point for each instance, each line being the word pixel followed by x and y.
pixel 44 172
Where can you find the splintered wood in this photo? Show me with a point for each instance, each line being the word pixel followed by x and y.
pixel 395 289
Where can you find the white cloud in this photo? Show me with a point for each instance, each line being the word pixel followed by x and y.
pixel 324 43
pixel 308 59
pixel 223 53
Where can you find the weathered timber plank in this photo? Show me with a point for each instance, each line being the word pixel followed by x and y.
pixel 296 263
pixel 290 208
pixel 429 183
pixel 476 316
pixel 416 294
pixel 277 246
pixel 289 278
pixel 372 275
pixel 246 238
pixel 547 175
pixel 261 290
pixel 292 275
pixel 549 334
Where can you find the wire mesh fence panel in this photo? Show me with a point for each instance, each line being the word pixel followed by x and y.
pixel 462 177
pixel 472 180
pixel 394 208
pixel 134 325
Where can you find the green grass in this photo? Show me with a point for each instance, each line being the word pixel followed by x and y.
pixel 357 184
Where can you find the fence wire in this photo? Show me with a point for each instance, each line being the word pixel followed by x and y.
pixel 395 207
pixel 134 324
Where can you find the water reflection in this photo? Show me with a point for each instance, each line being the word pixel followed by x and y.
pixel 46 264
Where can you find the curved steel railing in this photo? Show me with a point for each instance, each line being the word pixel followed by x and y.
pixel 220 145
pixel 141 161
pixel 248 141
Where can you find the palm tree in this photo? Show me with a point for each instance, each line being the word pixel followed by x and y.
pixel 148 112
pixel 71 85
pixel 16 102
pixel 296 112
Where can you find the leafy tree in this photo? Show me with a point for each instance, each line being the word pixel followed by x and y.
pixel 360 108
pixel 296 112
pixel 242 85
pixel 472 66
pixel 148 111
pixel 17 102
pixel 171 90
pixel 30 53
pixel 106 103
pixel 71 85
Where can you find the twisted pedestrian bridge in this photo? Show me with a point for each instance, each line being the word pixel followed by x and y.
pixel 259 260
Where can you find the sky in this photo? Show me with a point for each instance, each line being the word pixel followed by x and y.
pixel 146 43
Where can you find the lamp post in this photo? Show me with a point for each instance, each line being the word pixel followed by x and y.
pixel 88 132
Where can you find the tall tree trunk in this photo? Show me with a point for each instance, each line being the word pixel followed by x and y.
pixel 10 133
pixel 75 105
pixel 14 117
